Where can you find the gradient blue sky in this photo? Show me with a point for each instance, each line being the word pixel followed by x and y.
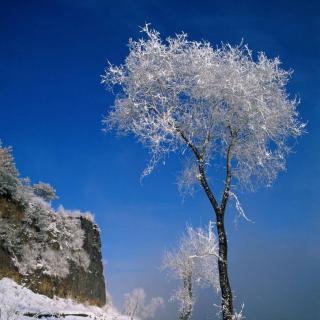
pixel 52 54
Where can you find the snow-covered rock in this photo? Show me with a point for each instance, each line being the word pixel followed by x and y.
pixel 16 301
pixel 52 252
pixel 56 253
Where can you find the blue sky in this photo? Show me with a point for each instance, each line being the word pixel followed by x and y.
pixel 51 100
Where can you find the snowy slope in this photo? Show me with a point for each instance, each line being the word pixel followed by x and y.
pixel 16 300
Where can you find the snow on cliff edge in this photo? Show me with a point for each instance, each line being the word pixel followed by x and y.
pixel 15 301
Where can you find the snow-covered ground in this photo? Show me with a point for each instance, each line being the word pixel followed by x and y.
pixel 15 301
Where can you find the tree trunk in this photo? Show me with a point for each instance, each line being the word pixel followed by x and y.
pixel 187 284
pixel 226 292
pixel 219 209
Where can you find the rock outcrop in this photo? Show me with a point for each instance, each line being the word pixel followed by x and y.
pixel 35 242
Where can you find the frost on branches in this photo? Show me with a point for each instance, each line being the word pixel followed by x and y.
pixel 211 105
pixel 193 262
pixel 44 191
pixel 9 181
pixel 135 306
pixel 179 94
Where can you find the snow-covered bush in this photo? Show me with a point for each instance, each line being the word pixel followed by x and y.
pixel 44 191
pixel 19 189
pixel 135 305
pixel 9 180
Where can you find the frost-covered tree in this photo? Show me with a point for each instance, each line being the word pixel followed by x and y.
pixel 212 105
pixel 194 261
pixel 11 185
pixel 44 191
pixel 135 305
pixel 9 181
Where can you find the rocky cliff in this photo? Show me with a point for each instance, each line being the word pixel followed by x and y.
pixel 51 252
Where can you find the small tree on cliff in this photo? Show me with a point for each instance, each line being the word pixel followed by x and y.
pixel 208 104
pixel 44 191
pixel 9 175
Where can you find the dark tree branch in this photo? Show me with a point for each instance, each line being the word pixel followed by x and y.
pixel 188 142
pixel 227 183
pixel 205 185
pixel 227 297
pixel 53 315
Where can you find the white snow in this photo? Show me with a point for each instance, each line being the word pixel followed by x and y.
pixel 16 300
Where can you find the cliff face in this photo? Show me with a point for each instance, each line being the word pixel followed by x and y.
pixel 51 253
